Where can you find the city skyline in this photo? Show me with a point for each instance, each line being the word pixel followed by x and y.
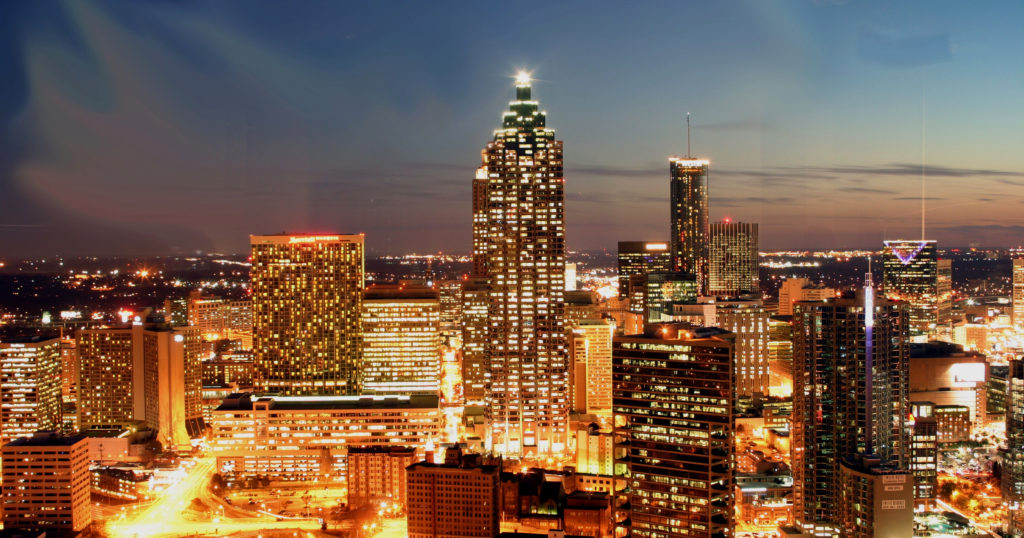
pixel 242 121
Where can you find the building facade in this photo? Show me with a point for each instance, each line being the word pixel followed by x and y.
pixel 476 376
pixel 519 247
pixel 30 387
pixel 689 217
pixel 748 321
pixel 401 340
pixel 106 384
pixel 306 295
pixel 1013 457
pixel 674 423
pixel 797 289
pixel 1017 297
pixel 377 474
pixel 591 370
pixel 732 259
pixel 46 483
pixel 456 498
pixel 912 274
pixel 640 258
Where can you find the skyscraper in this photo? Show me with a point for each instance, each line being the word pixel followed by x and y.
pixel 476 376
pixel 46 484
pixel 732 259
pixel 30 387
pixel 592 359
pixel 850 400
pixel 401 340
pixel 748 321
pixel 912 274
pixel 107 387
pixel 673 407
pixel 1013 457
pixel 690 217
pixel 641 258
pixel 306 293
pixel 519 246
pixel 1018 291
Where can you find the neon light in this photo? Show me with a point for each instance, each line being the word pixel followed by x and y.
pixel 656 246
pixel 311 239
pixel 907 253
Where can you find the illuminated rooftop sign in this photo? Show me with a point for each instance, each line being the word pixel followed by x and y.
pixel 656 246
pixel 695 163
pixel 312 238
pixel 906 251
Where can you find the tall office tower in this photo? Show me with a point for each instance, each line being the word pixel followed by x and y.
pixel 522 255
pixel 732 259
pixel 850 399
pixel 1018 292
pixel 30 386
pixel 591 359
pixel 46 484
pixel 673 406
pixel 641 258
pixel 450 297
pixel 68 369
pixel 106 382
pixel 690 217
pixel 171 392
pixel 401 340
pixel 476 378
pixel 457 498
pixel 1013 457
pixel 656 294
pixel 796 289
pixel 748 320
pixel 217 317
pixel 306 295
pixel 912 275
pixel 924 454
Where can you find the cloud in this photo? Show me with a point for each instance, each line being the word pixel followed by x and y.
pixel 603 170
pixel 907 169
pixel 903 51
pixel 867 190
pixel 918 198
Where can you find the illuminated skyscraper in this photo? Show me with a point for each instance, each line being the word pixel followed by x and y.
pixel 748 321
pixel 850 407
pixel 1018 291
pixel 673 407
pixel 641 258
pixel 108 363
pixel 401 340
pixel 690 217
pixel 306 294
pixel 476 378
pixel 732 259
pixel 30 387
pixel 1013 457
pixel 912 274
pixel 519 246
pixel 592 365
pixel 46 485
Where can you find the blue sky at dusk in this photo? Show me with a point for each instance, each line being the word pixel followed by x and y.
pixel 177 126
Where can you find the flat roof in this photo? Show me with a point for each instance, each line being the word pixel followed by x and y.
pixel 243 401
pixel 47 439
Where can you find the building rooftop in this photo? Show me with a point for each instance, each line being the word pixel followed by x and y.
pixel 243 401
pixel 47 438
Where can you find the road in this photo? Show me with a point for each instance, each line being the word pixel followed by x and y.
pixel 974 523
pixel 165 517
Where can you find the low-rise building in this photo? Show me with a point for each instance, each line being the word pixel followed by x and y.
pixel 377 473
pixel 456 498
pixel 46 483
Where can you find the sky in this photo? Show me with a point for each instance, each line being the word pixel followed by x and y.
pixel 173 127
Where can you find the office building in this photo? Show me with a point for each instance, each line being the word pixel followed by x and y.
pixel 850 401
pixel 944 374
pixel 655 295
pixel 876 501
pixel 377 474
pixel 519 247
pixel 306 295
pixel 450 301
pixel 673 405
pixel 594 451
pixel 912 275
pixel 217 317
pixel 172 385
pixel 591 370
pixel 924 454
pixel 780 356
pixel 30 387
pixel 689 217
pixel 69 369
pixel 1017 297
pixel 953 423
pixel 456 498
pixel 476 377
pixel 107 387
pixel 748 321
pixel 1013 456
pixel 641 258
pixel 46 484
pixel 235 367
pixel 732 259
pixel 797 289
pixel 401 340
pixel 305 438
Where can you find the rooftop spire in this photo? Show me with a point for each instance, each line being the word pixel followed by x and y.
pixel 523 85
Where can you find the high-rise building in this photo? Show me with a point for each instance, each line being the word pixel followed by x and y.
pixel 30 387
pixel 377 474
pixel 519 246
pixel 1018 291
pixel 450 298
pixel 924 454
pixel 876 501
pixel 456 498
pixel 476 377
pixel 690 217
pixel 796 289
pixel 591 365
pixel 912 275
pixel 673 406
pixel 655 295
pixel 107 386
pixel 46 484
pixel 732 259
pixel 306 294
pixel 1013 457
pixel 641 258
pixel 748 321
pixel 780 356
pixel 850 401
pixel 401 340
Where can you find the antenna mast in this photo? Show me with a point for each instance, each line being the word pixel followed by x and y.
pixel 923 140
pixel 688 154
